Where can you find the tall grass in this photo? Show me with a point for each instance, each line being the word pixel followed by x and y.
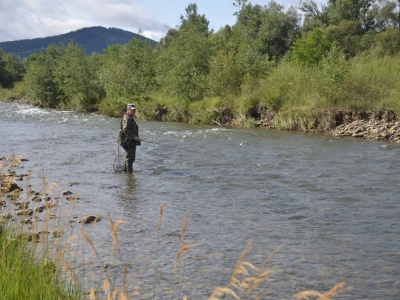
pixel 28 267
pixel 302 97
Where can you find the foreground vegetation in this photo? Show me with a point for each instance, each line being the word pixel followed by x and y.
pixel 28 267
pixel 37 262
pixel 344 56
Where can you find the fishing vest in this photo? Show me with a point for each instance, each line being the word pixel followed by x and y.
pixel 128 129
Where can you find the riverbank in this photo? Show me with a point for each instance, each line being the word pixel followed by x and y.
pixel 382 125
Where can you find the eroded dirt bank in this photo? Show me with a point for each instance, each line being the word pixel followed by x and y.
pixel 383 125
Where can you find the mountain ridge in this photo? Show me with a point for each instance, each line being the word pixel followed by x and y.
pixel 92 39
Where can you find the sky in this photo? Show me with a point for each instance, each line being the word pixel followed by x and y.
pixel 28 19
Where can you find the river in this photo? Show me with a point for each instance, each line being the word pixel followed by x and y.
pixel 332 203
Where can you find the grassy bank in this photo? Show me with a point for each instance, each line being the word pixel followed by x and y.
pixel 291 96
pixel 45 266
pixel 26 272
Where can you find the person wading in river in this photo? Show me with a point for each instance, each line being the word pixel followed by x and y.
pixel 129 136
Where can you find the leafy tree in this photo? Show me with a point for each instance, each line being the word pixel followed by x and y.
pixel 222 40
pixel 128 71
pixel 354 10
pixel 338 10
pixel 387 14
pixel 224 77
pixel 250 59
pixel 11 69
pixel 40 77
pixel 347 34
pixel 334 69
pixel 75 74
pixel 311 49
pixel 262 33
pixel 184 55
pixel 278 29
pixel 387 42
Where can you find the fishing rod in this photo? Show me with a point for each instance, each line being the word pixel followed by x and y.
pixel 180 148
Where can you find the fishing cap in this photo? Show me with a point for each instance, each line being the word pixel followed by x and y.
pixel 131 106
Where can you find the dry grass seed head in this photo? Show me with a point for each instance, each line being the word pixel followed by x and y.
pixel 92 294
pixel 272 254
pixel 145 264
pixel 87 240
pixel 113 227
pixel 67 244
pixel 239 264
pixel 247 264
pixel 259 279
pixel 328 295
pixel 72 278
pixel 106 286
pixel 260 296
pixel 333 291
pixel 160 218
pixel 222 291
pixel 136 290
pixel 181 252
pixel 234 282
pixel 306 294
pixel 183 229
pixel 249 280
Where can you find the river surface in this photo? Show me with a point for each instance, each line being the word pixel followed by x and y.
pixel 332 203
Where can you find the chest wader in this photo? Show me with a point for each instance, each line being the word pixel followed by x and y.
pixel 130 149
pixel 130 158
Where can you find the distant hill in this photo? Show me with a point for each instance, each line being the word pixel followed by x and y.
pixel 92 39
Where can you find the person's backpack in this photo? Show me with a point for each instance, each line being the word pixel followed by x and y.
pixel 121 138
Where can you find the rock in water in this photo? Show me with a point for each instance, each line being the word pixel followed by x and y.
pixel 89 219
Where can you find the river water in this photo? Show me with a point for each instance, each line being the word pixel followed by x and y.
pixel 332 203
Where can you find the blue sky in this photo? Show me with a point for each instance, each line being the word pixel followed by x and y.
pixel 28 19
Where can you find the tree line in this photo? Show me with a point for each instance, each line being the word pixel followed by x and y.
pixel 269 58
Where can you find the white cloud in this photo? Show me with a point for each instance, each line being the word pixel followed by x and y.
pixel 28 19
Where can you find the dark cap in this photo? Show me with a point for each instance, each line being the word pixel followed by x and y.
pixel 131 106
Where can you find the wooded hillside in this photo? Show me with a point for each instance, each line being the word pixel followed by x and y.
pixel 92 39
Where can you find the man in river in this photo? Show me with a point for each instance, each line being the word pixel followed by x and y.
pixel 131 138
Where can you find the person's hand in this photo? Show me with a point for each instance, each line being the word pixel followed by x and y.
pixel 137 139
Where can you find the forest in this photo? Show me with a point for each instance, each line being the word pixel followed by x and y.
pixel 297 64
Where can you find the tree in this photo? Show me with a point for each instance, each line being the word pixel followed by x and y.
pixel 387 42
pixel 75 74
pixel 278 29
pixel 387 14
pixel 127 71
pixel 11 69
pixel 224 77
pixel 40 78
pixel 311 49
pixel 338 10
pixel 184 56
pixel 347 35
